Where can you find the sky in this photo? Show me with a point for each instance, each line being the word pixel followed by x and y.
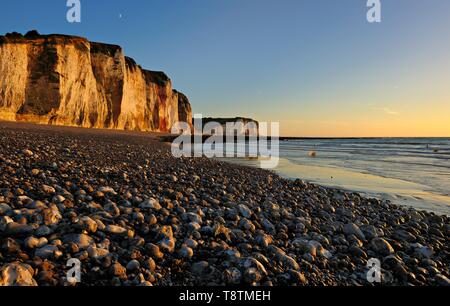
pixel 316 66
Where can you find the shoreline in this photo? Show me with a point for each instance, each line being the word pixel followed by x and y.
pixel 134 215
pixel 397 191
pixel 170 138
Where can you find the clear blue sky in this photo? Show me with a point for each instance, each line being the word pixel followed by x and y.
pixel 317 66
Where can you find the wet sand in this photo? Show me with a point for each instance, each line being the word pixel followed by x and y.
pixel 398 191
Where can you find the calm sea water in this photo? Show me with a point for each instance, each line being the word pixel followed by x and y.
pixel 416 169
pixel 408 171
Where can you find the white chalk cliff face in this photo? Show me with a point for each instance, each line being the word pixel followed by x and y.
pixel 67 80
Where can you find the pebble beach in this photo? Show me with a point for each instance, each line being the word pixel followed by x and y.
pixel 134 215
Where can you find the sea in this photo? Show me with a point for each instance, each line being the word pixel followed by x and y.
pixel 407 171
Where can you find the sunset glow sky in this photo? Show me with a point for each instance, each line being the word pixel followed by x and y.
pixel 316 66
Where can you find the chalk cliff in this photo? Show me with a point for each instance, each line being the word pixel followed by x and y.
pixel 67 80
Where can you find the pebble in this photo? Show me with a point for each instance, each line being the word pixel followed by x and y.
pixel 403 235
pixel 192 217
pixel 151 204
pixel 268 226
pixel 442 280
pixel 119 271
pixel 264 240
pixel 17 229
pixel 10 245
pixel 167 245
pixel 154 251
pixel 46 252
pixel 42 231
pixel 150 264
pixel 48 189
pixel 289 262
pixel 4 221
pixel 353 229
pixel 233 276
pixel 52 215
pixel 27 152
pixel 381 246
pixel 186 252
pixel 4 208
pixel 17 274
pixel 87 224
pixel 82 241
pixel 221 232
pixel 247 225
pixel 107 190
pixel 251 262
pixel 95 252
pixel 299 277
pixel 357 251
pixel 115 229
pixel 422 251
pixel 371 231
pixel 59 199
pixel 112 208
pixel 32 242
pixel 191 243
pixel 133 265
pixel 200 268
pixel 252 275
pixel 244 211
